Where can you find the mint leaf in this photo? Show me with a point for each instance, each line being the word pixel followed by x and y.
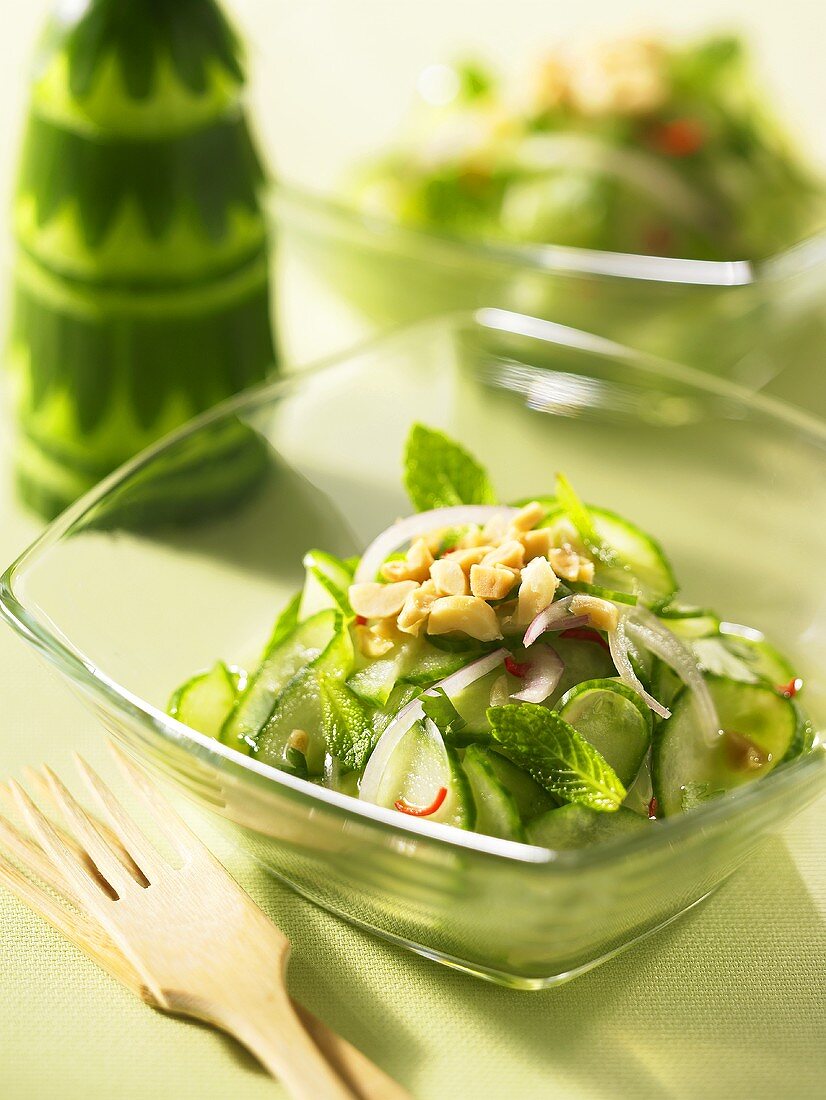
pixel 439 473
pixel 347 727
pixel 441 710
pixel 557 757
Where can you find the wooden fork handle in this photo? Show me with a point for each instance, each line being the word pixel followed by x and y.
pixel 362 1077
pixel 269 1027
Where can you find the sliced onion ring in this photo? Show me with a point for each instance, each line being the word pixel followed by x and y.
pixel 556 616
pixel 414 712
pixel 405 530
pixel 618 644
pixel 646 629
pixel 542 676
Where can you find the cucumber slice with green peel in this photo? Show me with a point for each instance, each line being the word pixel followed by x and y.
pixel 325 585
pixel 413 661
pixel 585 658
pixel 204 702
pixel 614 720
pixel 666 685
pixel 573 826
pixel 758 726
pixel 472 704
pixel 531 799
pixel 419 768
pixel 285 656
pixel 431 665
pixel 639 566
pixel 750 647
pixel 299 706
pixel 496 811
pixel 690 623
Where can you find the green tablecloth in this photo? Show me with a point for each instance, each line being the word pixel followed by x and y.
pixel 728 1002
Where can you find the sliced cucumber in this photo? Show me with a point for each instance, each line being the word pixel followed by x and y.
pixel 289 653
pixel 666 685
pixel 759 728
pixel 531 799
pixel 325 586
pixel 614 720
pixel 472 704
pixel 690 622
pixel 578 827
pixel 496 810
pixel 751 647
pixel 430 664
pixel 375 682
pixel 638 564
pixel 420 766
pixel 584 659
pixel 204 701
pixel 299 705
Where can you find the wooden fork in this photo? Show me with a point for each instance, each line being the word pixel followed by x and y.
pixel 187 940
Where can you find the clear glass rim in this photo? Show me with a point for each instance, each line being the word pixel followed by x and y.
pixel 796 259
pixel 80 669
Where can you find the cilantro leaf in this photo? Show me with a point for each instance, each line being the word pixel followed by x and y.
pixel 439 473
pixel 438 707
pixel 347 726
pixel 557 757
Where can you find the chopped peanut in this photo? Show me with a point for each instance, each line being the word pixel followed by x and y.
pixel 603 614
pixel 570 565
pixel 371 643
pixel 415 567
pixel 471 556
pixel 536 592
pixel 491 582
pixel 449 577
pixel 506 613
pixel 413 615
pixel 377 601
pixel 528 517
pixel 537 543
pixel 494 530
pixel 510 553
pixel 300 740
pixel 467 614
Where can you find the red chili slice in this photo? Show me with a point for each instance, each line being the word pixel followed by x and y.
pixel 586 634
pixel 791 689
pixel 360 620
pixel 516 669
pixel 681 137
pixel 422 811
pixel 653 808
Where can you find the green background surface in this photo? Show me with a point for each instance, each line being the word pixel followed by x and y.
pixel 730 1001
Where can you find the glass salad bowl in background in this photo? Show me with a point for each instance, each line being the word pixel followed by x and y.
pixel 192 549
pixel 735 318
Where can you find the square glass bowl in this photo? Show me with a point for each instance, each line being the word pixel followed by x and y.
pixel 734 319
pixel 188 553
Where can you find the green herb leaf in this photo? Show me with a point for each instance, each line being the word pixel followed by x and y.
pixel 441 710
pixel 557 757
pixel 439 473
pixel 347 726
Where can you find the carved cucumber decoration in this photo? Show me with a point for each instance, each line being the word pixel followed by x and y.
pixel 141 287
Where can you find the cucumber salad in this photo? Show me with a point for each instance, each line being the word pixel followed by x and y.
pixel 523 671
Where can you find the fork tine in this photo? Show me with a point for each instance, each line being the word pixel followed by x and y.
pixel 42 786
pixel 29 853
pixel 170 823
pixel 131 838
pixel 79 873
pixel 83 827
pixel 75 926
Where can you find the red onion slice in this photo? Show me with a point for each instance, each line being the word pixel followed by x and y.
pixel 618 644
pixel 405 530
pixel 556 616
pixel 544 673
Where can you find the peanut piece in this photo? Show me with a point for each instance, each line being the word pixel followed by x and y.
pixel 372 600
pixel 510 553
pixel 536 592
pixel 416 609
pixel 528 517
pixel 415 567
pixel 603 614
pixel 449 577
pixel 537 543
pixel 467 614
pixel 491 582
pixel 371 643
